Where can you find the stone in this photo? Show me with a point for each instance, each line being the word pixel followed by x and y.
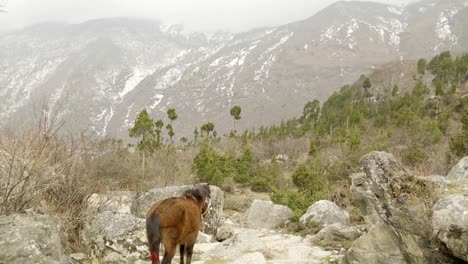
pixel 394 206
pixel 30 238
pixel 266 214
pixel 324 213
pixel 224 232
pixel 379 245
pixel 450 223
pixel 338 232
pixel 255 257
pixel 211 222
pixel 109 232
pixel 114 258
pixel 459 171
pixel 117 202
pixel 204 238
pixel 78 256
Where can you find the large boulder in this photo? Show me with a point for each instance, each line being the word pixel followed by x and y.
pixel 450 222
pixel 116 236
pixel 459 171
pixel 144 202
pixel 395 205
pixel 379 245
pixel 30 238
pixel 116 202
pixel 266 214
pixel 324 213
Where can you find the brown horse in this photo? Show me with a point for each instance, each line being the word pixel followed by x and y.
pixel 176 221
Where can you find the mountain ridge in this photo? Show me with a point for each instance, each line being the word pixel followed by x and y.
pixel 104 72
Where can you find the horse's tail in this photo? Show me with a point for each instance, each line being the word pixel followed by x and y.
pixel 153 233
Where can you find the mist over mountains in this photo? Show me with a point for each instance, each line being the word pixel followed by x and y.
pixel 99 74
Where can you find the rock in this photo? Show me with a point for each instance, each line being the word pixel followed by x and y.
pixel 255 257
pixel 450 223
pixel 394 206
pixel 78 256
pixel 204 238
pixel 323 213
pixel 143 203
pixel 117 202
pixel 265 214
pixel 379 245
pixel 459 171
pixel 224 232
pixel 110 232
pixel 30 238
pixel 114 258
pixel 338 232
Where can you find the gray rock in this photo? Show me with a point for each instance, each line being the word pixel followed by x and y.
pixel 338 232
pixel 255 257
pixel 379 245
pixel 450 222
pixel 323 213
pixel 30 238
pixel 265 214
pixel 459 171
pixel 436 181
pixel 110 232
pixel 224 232
pixel 114 258
pixel 78 256
pixel 117 202
pixel 210 223
pixel 204 238
pixel 394 203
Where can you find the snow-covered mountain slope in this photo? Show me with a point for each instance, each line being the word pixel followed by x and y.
pixel 101 73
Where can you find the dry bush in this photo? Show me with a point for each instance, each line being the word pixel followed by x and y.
pixel 41 169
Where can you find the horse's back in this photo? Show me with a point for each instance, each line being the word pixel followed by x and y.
pixel 180 218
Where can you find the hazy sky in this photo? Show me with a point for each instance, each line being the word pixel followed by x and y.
pixel 200 15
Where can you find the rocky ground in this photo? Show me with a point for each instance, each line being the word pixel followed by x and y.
pixel 408 219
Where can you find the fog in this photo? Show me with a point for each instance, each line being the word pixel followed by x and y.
pixel 195 15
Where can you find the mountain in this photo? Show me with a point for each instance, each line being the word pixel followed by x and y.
pixel 101 73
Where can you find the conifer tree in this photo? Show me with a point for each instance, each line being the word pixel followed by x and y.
pixel 235 113
pixel 143 128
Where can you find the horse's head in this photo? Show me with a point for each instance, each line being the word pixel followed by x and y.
pixel 202 193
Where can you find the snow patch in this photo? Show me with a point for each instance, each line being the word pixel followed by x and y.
pixel 137 76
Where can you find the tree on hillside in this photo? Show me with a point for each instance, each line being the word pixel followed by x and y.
pixel 195 136
pixel 159 125
pixel 422 66
pixel 311 113
pixel 143 128
pixel 172 115
pixel 367 85
pixel 235 113
pixel 170 132
pixel 207 128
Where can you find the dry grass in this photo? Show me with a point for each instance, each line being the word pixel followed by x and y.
pixel 41 169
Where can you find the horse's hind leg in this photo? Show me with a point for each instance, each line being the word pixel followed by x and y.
pixel 170 249
pixel 189 250
pixel 182 253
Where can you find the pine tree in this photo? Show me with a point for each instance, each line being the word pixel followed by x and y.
pixel 159 125
pixel 172 115
pixel 235 113
pixel 143 127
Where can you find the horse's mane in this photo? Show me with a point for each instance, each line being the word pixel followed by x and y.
pixel 199 192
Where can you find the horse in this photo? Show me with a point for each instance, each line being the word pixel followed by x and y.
pixel 176 221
